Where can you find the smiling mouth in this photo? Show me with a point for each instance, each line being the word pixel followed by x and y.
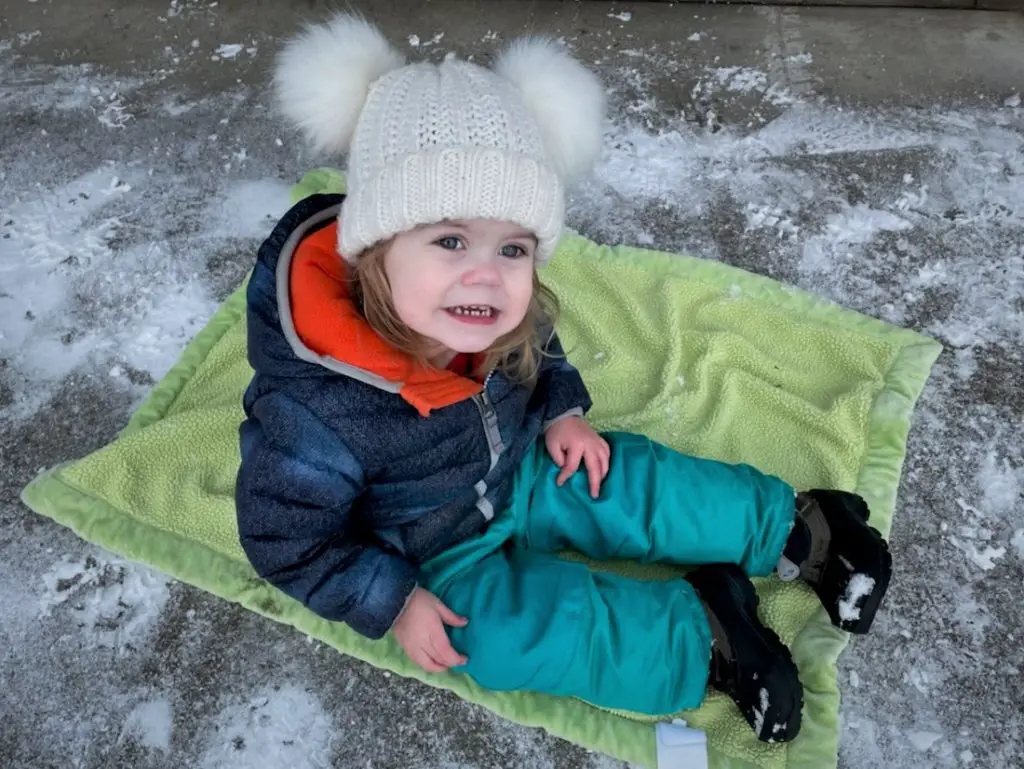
pixel 473 313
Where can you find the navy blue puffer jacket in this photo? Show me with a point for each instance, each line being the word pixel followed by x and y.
pixel 357 463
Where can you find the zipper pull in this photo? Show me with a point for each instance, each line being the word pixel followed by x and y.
pixel 491 424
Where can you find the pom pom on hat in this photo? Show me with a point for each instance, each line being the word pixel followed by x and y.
pixel 565 98
pixel 433 142
pixel 324 75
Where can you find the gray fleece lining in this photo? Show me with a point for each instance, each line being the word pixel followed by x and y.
pixel 284 307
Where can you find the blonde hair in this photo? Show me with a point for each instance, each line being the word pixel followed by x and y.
pixel 517 354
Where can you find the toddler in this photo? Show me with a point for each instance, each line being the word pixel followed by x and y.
pixel 416 450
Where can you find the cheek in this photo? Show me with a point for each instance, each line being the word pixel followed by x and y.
pixel 410 301
pixel 520 289
pixel 406 280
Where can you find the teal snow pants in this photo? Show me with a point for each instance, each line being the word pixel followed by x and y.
pixel 541 623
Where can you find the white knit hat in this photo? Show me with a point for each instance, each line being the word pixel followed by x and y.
pixel 434 142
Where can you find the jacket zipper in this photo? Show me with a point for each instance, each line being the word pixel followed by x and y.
pixel 489 417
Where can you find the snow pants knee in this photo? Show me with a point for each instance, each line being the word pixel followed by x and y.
pixel 542 623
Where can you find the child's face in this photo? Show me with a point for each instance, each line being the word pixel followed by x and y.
pixel 462 284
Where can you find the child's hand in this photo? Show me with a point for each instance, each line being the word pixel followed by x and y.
pixel 420 631
pixel 571 440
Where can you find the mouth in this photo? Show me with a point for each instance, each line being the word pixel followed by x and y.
pixel 475 314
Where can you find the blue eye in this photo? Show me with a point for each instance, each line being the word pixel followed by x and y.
pixel 448 242
pixel 512 251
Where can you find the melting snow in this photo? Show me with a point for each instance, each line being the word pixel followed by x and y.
pixel 1002 485
pixel 760 713
pixel 229 50
pixel 859 587
pixel 923 740
pixel 1018 543
pixel 150 724
pixel 984 558
pixel 114 603
pixel 287 727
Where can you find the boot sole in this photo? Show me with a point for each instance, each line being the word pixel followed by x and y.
pixel 770 697
pixel 860 550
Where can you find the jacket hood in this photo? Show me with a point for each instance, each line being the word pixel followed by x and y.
pixel 321 324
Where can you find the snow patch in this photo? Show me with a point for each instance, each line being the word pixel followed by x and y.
pixel 984 558
pixel 852 226
pixel 247 209
pixel 150 724
pixel 229 50
pixel 771 218
pixel 919 679
pixel 416 42
pixel 1002 485
pixel 922 740
pixel 741 79
pixel 859 588
pixel 163 324
pixel 115 604
pixel 114 113
pixel 286 727
pixel 99 287
pixel 46 242
pixel 1017 543
pixel 762 711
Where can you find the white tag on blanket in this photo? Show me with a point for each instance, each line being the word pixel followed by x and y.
pixel 681 746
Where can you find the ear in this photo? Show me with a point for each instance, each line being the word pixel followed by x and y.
pixel 566 99
pixel 324 74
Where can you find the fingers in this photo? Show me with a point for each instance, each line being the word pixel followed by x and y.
pixel 443 653
pixel 425 660
pixel 557 451
pixel 450 617
pixel 595 474
pixel 435 653
pixel 439 648
pixel 572 463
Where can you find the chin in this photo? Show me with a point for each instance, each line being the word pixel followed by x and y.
pixel 473 343
pixel 472 347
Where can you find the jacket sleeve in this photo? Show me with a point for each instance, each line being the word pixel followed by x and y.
pixel 294 495
pixel 560 385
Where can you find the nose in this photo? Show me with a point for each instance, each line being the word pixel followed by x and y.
pixel 483 273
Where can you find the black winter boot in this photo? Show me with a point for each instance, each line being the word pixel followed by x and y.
pixel 748 661
pixel 846 561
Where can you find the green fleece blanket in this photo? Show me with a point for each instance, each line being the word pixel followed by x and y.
pixel 709 359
